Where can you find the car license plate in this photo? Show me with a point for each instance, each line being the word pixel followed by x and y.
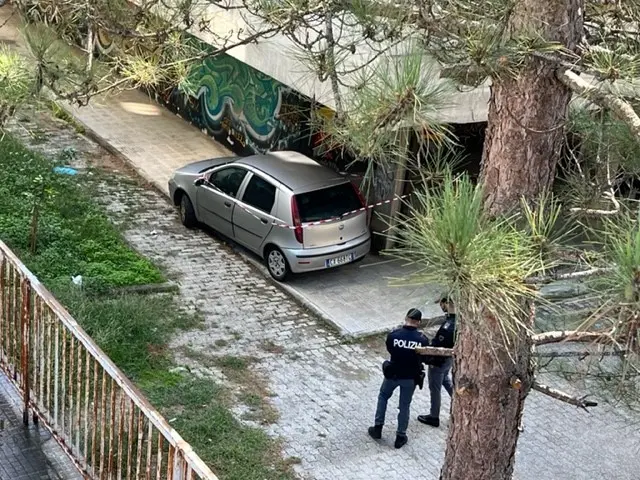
pixel 334 262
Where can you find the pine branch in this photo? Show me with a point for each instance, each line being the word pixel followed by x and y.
pixel 580 402
pixel 621 109
pixel 435 351
pixel 581 354
pixel 571 336
pixel 567 276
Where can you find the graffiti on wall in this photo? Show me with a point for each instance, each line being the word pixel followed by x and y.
pixel 242 107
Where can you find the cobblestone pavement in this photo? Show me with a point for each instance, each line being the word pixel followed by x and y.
pixel 27 453
pixel 325 388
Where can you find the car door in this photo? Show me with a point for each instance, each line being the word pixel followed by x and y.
pixel 252 220
pixel 216 198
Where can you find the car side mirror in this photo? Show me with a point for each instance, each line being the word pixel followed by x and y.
pixel 199 182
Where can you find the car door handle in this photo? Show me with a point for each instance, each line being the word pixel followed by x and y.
pixel 227 204
pixel 264 220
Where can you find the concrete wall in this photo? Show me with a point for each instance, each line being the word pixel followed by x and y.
pixel 279 58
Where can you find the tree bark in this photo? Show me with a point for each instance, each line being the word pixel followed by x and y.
pixel 527 112
pixel 491 383
pixel 523 143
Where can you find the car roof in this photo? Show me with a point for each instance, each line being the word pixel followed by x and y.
pixel 296 171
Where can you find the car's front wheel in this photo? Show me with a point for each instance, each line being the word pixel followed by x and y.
pixel 187 212
pixel 277 264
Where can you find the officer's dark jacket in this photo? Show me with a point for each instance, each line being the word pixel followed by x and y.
pixel 401 344
pixel 446 335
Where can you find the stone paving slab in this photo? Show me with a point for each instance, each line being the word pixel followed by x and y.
pixel 148 136
pixel 28 453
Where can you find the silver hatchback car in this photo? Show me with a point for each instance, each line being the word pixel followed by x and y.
pixel 296 214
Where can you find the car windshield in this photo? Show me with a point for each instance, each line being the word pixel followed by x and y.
pixel 327 203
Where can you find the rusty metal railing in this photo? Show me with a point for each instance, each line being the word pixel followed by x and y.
pixel 69 385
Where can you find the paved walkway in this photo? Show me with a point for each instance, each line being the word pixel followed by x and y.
pixel 27 453
pixel 325 388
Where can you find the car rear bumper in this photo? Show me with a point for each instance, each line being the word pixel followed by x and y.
pixel 311 259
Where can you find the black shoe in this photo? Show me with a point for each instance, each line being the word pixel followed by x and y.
pixel 401 441
pixel 375 432
pixel 429 420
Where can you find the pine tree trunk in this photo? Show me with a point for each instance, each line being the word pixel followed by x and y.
pixel 522 147
pixel 527 114
pixel 491 384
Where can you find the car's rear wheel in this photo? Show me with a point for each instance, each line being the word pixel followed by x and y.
pixel 187 213
pixel 277 264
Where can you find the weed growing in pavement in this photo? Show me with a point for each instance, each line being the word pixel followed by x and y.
pixel 63 115
pixel 74 236
pixel 271 347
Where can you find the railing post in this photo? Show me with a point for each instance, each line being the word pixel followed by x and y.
pixel 179 465
pixel 3 318
pixel 25 321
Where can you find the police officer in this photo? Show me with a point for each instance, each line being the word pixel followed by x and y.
pixel 404 371
pixel 440 367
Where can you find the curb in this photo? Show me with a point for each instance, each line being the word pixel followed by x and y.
pixel 92 135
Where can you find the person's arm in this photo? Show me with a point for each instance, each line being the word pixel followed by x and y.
pixel 389 342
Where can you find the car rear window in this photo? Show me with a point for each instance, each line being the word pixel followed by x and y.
pixel 327 203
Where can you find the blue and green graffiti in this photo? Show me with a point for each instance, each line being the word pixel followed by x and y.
pixel 242 107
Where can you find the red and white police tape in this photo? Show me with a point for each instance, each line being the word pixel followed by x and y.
pixel 279 223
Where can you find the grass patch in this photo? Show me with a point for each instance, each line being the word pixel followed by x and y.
pixel 254 393
pixel 203 418
pixel 74 236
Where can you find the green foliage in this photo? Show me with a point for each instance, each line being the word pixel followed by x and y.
pixel 546 229
pixel 132 329
pixel 479 259
pixel 16 82
pixel 399 93
pixel 621 241
pixel 599 133
pixel 74 235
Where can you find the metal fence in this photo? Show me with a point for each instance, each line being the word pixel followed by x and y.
pixel 70 386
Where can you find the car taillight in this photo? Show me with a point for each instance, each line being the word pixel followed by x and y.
pixel 363 202
pixel 295 215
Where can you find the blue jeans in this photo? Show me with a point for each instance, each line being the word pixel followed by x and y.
pixel 438 378
pixel 407 387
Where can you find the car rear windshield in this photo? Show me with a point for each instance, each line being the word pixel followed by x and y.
pixel 327 203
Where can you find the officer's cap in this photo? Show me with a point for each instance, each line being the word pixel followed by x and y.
pixel 414 314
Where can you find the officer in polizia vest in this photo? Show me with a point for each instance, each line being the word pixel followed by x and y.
pixel 403 371
pixel 440 367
